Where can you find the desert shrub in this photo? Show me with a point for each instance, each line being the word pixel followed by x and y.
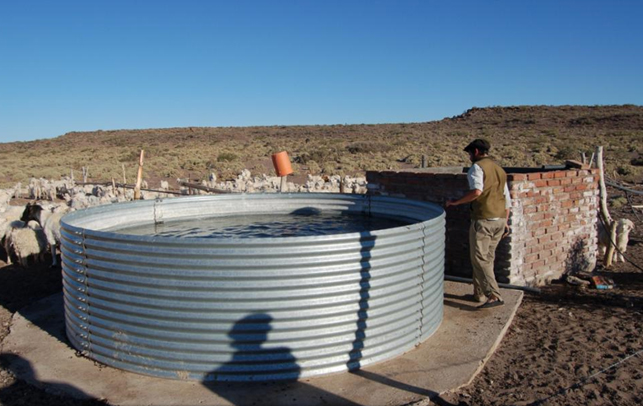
pixel 320 155
pixel 226 157
pixel 618 202
pixel 566 152
pixel 637 161
pixel 131 156
pixel 623 170
pixel 365 147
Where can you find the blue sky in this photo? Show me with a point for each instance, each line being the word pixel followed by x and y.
pixel 89 65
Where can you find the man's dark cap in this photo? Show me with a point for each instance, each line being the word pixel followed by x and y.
pixel 479 144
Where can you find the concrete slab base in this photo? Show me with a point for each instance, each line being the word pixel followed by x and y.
pixel 37 351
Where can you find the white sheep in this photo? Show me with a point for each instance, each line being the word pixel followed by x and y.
pixel 8 216
pixel 623 228
pixel 5 197
pixel 165 185
pixel 25 242
pixel 49 220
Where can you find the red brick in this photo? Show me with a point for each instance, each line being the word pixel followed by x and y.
pixel 531 258
pixel 550 246
pixel 547 175
pixel 534 176
pixel 566 181
pixel 557 236
pixel 560 174
pixel 516 176
pixel 570 174
pixel 553 182
pixel 540 183
pixel 543 207
pixel 529 209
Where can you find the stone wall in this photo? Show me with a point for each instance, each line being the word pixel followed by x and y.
pixel 553 219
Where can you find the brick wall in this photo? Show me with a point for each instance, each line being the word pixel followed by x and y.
pixel 552 220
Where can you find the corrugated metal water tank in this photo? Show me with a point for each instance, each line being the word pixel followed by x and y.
pixel 251 308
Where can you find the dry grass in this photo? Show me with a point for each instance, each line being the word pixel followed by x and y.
pixel 521 136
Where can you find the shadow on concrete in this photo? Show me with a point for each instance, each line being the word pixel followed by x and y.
pixel 21 287
pixel 473 306
pixel 434 396
pixel 17 393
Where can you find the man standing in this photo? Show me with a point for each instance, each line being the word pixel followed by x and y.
pixel 490 205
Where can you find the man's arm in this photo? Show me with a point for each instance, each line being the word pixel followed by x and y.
pixel 468 198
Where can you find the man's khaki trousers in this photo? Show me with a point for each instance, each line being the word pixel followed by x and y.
pixel 484 236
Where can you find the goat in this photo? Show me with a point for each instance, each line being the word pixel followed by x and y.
pixel 49 220
pixel 623 228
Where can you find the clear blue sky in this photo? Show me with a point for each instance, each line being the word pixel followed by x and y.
pixel 90 64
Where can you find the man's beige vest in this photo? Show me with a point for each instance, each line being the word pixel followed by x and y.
pixel 491 203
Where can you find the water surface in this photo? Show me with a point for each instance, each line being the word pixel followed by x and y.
pixel 266 226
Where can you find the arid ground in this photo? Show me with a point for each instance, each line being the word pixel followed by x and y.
pixel 568 345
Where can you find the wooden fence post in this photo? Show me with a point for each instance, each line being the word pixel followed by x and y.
pixel 608 223
pixel 139 177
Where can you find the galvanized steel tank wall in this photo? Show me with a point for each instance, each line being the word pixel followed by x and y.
pixel 251 309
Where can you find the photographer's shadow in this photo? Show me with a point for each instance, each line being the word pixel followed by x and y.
pixel 260 374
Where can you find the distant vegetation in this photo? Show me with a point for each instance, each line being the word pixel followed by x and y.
pixel 524 136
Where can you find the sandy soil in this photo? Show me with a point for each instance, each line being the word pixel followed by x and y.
pixel 568 345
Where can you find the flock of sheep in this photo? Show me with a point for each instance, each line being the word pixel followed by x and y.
pixel 28 232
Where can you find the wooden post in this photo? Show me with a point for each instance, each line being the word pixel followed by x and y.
pixel 583 157
pixel 85 173
pixel 610 225
pixel 139 177
pixel 113 186
pixel 124 178
pixel 342 185
pixel 423 161
pixel 607 219
pixel 284 184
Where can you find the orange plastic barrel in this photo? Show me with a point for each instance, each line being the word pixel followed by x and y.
pixel 281 163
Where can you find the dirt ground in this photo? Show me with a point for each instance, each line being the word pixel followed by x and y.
pixel 567 345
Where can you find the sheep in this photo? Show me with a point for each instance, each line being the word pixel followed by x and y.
pixel 25 242
pixel 8 216
pixel 49 220
pixel 165 185
pixel 35 188
pixel 623 228
pixel 5 197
